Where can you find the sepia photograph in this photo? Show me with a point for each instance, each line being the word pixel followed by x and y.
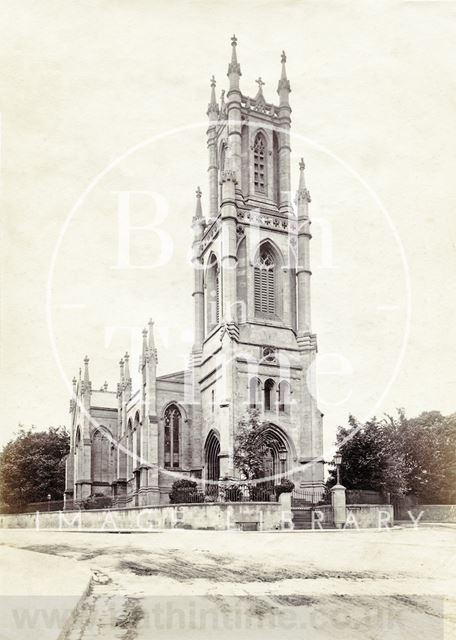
pixel 228 346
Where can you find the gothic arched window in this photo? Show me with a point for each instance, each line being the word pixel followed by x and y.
pixel 100 457
pixel 254 393
pixel 284 397
pixel 259 163
pixel 212 294
pixel 269 395
pixel 265 283
pixel 129 443
pixel 79 455
pixel 172 426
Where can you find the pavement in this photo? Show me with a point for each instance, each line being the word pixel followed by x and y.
pixel 365 584
pixel 39 593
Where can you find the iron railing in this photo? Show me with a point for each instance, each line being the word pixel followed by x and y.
pixel 309 496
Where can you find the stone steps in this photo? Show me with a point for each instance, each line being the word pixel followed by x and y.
pixel 302 519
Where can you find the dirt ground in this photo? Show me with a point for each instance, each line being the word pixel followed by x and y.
pixel 319 584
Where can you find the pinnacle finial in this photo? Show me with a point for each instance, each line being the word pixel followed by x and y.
pixel 142 360
pixel 259 96
pixel 199 210
pixel 302 195
pixel 151 334
pixel 127 366
pixel 86 384
pixel 234 69
pixel 283 88
pixel 212 107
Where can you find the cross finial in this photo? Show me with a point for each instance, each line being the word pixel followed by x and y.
pixel 233 41
pixel 302 165
pixel 213 81
pixel 260 83
pixel 284 57
pixel 198 192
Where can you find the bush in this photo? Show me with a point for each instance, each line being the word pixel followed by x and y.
pixel 285 486
pixel 97 501
pixel 185 491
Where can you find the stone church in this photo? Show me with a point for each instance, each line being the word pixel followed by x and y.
pixel 253 343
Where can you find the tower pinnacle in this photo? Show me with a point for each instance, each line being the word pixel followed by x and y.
pixel 302 194
pixel 86 386
pixel 151 334
pixel 127 367
pixel 198 210
pixel 212 107
pixel 144 348
pixel 283 88
pixel 234 68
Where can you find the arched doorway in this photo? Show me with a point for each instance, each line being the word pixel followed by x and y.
pixel 211 456
pixel 278 456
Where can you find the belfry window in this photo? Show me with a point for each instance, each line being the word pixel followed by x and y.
pixel 259 163
pixel 284 397
pixel 268 395
pixel 172 426
pixel 265 283
pixel 254 393
pixel 212 294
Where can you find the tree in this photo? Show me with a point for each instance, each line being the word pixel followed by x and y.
pixel 33 466
pixel 370 459
pixel 400 455
pixel 428 443
pixel 250 446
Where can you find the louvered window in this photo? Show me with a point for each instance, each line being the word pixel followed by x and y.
pixel 212 295
pixel 259 163
pixel 264 284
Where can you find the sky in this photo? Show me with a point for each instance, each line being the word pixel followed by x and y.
pixel 103 97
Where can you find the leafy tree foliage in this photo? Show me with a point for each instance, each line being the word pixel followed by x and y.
pixel 250 446
pixel 33 466
pixel 400 455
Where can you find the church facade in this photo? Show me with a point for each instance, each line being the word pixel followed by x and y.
pixel 253 343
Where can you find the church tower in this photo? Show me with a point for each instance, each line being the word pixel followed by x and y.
pixel 253 343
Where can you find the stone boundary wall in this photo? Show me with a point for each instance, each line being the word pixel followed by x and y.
pixel 428 513
pixel 263 516
pixel 369 516
pixel 216 516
